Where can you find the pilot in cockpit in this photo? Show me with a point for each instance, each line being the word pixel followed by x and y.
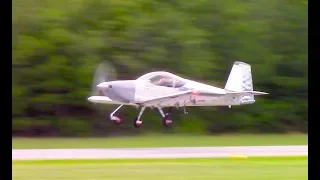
pixel 165 81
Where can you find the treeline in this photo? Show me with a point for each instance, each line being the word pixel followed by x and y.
pixel 58 44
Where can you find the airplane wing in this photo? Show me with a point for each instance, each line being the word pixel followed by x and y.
pixel 106 100
pixel 180 98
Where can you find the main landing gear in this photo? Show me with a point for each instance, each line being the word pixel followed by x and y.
pixel 116 119
pixel 166 117
pixel 137 122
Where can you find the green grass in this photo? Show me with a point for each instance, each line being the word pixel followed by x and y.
pixel 160 141
pixel 275 168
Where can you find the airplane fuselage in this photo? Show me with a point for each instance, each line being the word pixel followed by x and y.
pixel 137 91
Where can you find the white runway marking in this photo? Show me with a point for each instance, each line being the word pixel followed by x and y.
pixel 174 152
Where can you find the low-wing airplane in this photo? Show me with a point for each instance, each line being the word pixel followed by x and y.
pixel 163 89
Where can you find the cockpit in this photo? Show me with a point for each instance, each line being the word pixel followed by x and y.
pixel 164 79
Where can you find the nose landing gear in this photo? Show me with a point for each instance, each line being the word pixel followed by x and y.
pixel 116 119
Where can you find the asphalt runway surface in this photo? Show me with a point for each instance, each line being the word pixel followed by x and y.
pixel 173 152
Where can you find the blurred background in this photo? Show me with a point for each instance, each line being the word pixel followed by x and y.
pixel 58 44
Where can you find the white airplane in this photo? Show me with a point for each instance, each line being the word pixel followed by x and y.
pixel 163 89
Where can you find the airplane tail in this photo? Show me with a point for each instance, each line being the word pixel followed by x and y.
pixel 240 83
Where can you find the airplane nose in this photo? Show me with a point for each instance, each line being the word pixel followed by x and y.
pixel 123 91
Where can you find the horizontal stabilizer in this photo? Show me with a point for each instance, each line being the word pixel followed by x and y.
pixel 256 93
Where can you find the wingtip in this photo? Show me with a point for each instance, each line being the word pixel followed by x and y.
pixel 90 98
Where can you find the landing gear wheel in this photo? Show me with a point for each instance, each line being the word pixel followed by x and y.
pixel 167 120
pixel 117 120
pixel 137 123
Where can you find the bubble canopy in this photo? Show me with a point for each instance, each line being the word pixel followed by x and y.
pixel 162 78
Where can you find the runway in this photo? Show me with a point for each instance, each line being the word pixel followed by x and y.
pixel 174 152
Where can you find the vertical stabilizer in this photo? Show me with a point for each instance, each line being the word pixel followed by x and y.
pixel 240 78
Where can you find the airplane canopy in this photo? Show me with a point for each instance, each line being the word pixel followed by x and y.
pixel 162 78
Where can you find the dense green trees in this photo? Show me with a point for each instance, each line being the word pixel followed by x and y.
pixel 57 45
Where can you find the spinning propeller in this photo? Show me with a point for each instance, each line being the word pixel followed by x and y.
pixel 105 72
